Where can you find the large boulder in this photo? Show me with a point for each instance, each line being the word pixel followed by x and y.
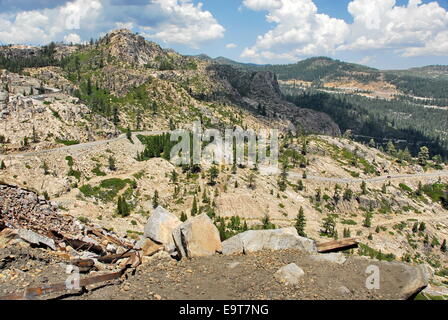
pixel 278 239
pixel 289 274
pixel 160 226
pixel 397 280
pixel 233 245
pixel 197 237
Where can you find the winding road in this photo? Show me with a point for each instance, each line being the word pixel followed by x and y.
pixel 81 146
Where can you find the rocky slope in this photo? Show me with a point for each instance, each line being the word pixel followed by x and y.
pixel 36 116
pixel 123 81
pixel 147 84
pixel 36 248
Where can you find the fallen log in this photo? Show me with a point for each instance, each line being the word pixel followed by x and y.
pixel 84 265
pixel 79 245
pixel 110 238
pixel 337 245
pixel 112 258
pixel 33 293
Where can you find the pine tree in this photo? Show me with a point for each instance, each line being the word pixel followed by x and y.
pixel 112 166
pixel 173 176
pixel 194 207
pixel 183 217
pixel 266 223
pixel 347 233
pixel 426 240
pixel 364 188
pixel 122 207
pixel 300 185
pixel 154 107
pixel 415 227
pixel 89 87
pixel 329 226
pixel 301 223
pixel 304 148
pixel 391 148
pixel 423 156
pixel 205 198
pixel 116 118
pixel 348 194
pixel 368 220
pixel 35 137
pixel 213 174
pixel 2 165
pixel 155 199
pixel 422 227
pixel 252 181
pixel 443 248
pixel 129 134
pixel 318 196
pixel 435 242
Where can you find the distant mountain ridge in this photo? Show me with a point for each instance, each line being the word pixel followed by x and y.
pixel 429 81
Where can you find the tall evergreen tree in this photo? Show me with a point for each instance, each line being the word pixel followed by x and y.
pixel 301 223
pixel 194 207
pixel 155 199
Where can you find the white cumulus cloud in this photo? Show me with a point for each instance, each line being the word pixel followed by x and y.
pixel 169 21
pixel 45 25
pixel 300 30
pixel 231 46
pixel 72 38
pixel 186 23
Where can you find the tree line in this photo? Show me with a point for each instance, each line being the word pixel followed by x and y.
pixel 407 124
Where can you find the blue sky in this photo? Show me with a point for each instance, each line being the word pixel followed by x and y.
pixel 387 34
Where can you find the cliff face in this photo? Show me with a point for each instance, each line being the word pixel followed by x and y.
pixel 260 92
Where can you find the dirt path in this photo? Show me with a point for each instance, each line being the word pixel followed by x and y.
pixel 376 179
pixel 86 145
pixel 291 174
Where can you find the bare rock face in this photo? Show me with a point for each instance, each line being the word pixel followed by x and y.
pixel 289 274
pixel 257 240
pixel 197 237
pixel 160 226
pixel 254 90
pixel 131 48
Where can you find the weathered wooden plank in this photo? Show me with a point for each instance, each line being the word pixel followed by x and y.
pixel 337 245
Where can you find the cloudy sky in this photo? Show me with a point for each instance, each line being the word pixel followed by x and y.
pixel 386 34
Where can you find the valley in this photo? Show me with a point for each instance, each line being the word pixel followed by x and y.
pixel 76 127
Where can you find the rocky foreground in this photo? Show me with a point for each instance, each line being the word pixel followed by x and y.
pixel 180 260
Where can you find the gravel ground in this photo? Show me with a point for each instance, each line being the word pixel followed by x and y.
pixel 242 277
